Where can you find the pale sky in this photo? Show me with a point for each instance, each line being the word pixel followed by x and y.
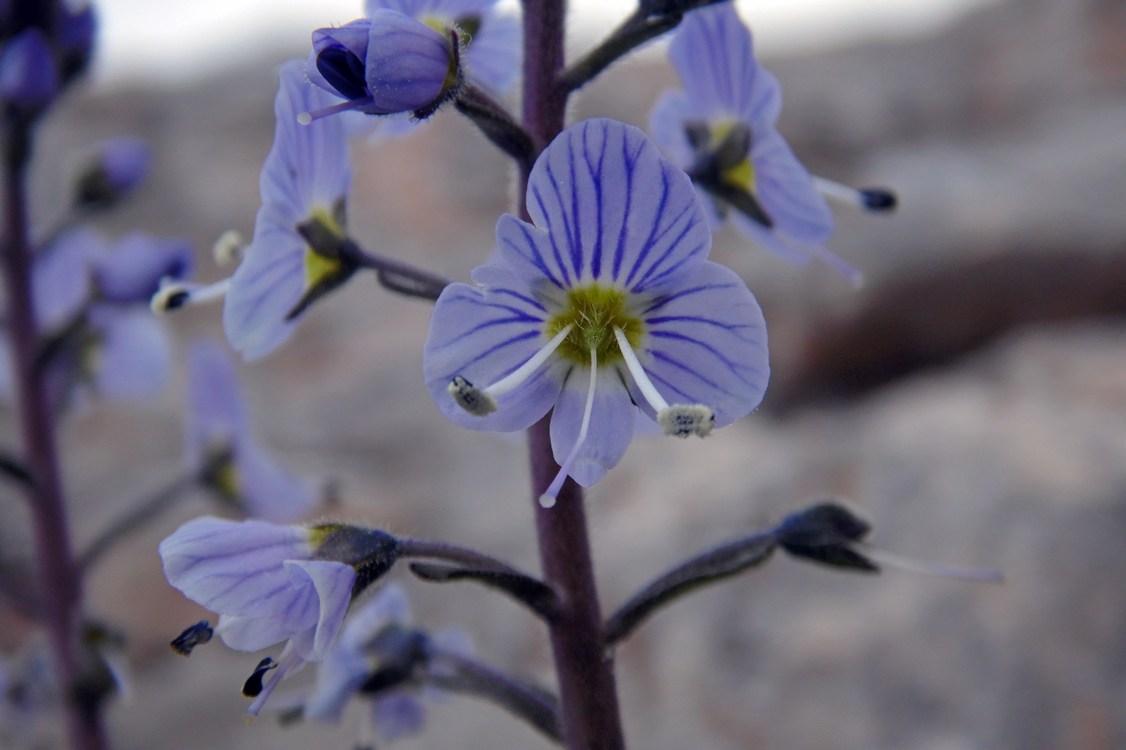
pixel 176 41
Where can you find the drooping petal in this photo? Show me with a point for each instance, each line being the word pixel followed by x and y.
pixel 613 208
pixel 249 633
pixel 133 356
pixel 407 62
pixel 484 336
pixel 706 343
pixel 234 567
pixel 611 424
pixel 397 715
pixel 269 490
pixel 714 55
pixel 332 582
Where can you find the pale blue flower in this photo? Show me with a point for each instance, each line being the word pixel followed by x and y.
pixel 220 440
pixel 305 179
pixel 604 306
pixel 387 64
pixel 721 128
pixel 273 583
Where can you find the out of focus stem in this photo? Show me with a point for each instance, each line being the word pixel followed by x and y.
pixel 59 581
pixel 588 695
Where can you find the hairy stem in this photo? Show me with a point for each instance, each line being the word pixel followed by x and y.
pixel 60 584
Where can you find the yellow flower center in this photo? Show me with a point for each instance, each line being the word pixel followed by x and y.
pixel 595 311
pixel 742 175
pixel 318 267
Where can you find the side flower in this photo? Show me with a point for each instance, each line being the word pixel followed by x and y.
pixel 272 583
pixel 604 306
pixel 222 446
pixel 721 129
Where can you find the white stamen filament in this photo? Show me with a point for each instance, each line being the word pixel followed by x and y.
pixel 547 499
pixel 173 295
pixel 483 401
pixel 679 420
pixel 976 575
pixel 836 191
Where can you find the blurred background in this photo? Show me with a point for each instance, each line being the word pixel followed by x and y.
pixel 969 399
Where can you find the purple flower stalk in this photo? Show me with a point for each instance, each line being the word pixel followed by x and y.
pixel 220 442
pixel 605 306
pixel 721 129
pixel 275 583
pixel 386 64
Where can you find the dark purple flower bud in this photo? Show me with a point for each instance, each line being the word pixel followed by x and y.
pixel 131 272
pixel 75 40
pixel 389 64
pixel 29 79
pixel 119 165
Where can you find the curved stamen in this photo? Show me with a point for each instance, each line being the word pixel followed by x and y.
pixel 174 295
pixel 483 401
pixel 679 420
pixel 547 499
pixel 874 199
pixel 890 559
pixel 288 662
pixel 304 118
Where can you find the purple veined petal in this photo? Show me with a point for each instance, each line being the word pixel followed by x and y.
pixel 266 286
pixel 307 166
pixel 397 715
pixel 249 633
pixel 614 208
pixel 131 271
pixel 388 606
pixel 786 190
pixel 714 55
pixel 706 343
pixel 407 63
pixel 269 490
pixel 611 423
pixel 216 411
pixel 133 356
pixel 333 584
pixel 60 276
pixel 484 337
pixel 235 567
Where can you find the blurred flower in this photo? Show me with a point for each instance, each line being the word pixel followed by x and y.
pixel 604 306
pixel 117 167
pixel 221 443
pixel 29 78
pixel 386 64
pixel 272 583
pixel 131 270
pixel 721 129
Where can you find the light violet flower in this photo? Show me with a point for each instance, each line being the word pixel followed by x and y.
pixel 304 184
pixel 387 64
pixel 221 444
pixel 721 129
pixel 604 306
pixel 274 583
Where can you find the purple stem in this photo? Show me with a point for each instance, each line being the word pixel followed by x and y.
pixel 60 584
pixel 587 693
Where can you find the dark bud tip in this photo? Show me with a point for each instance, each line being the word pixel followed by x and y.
pixel 252 688
pixel 825 534
pixel 194 635
pixel 879 199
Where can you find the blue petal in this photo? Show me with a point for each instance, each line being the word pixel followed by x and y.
pixel 332 582
pixel 249 633
pixel 29 78
pixel 407 62
pixel 134 355
pixel 216 411
pixel 269 490
pixel 493 57
pixel 131 271
pixel 666 125
pixel 706 343
pixel 610 429
pixel 387 607
pixel 483 336
pixel 613 208
pixel 234 567
pixel 713 54
pixel 60 276
pixel 339 677
pixel 396 715
pixel 124 161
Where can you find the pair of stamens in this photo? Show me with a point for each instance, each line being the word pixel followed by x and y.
pixel 679 420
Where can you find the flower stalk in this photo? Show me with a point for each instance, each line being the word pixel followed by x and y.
pixel 59 581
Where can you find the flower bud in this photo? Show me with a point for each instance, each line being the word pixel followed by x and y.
pixel 29 79
pixel 118 167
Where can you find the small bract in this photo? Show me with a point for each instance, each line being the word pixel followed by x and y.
pixel 603 307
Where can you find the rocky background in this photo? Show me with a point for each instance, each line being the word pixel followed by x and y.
pixel 970 400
